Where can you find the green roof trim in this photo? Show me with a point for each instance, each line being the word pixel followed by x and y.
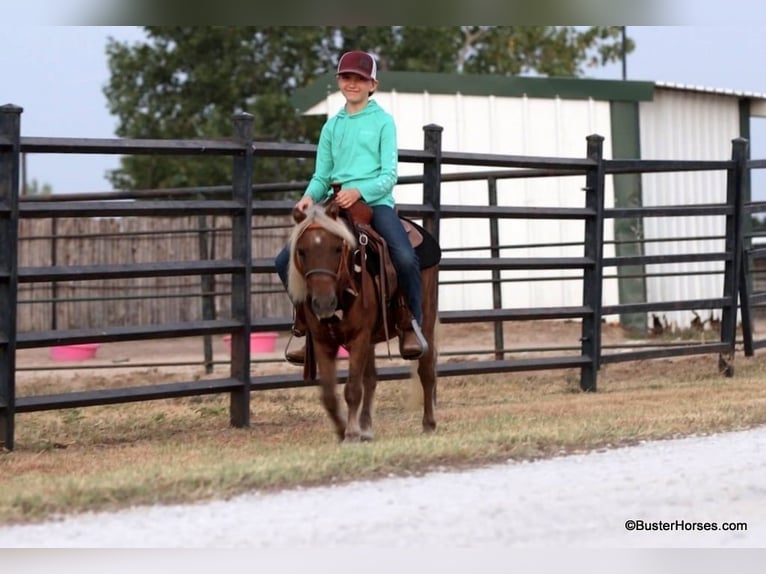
pixel 487 85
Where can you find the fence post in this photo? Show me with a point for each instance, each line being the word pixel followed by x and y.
pixel 241 250
pixel 592 275
pixel 497 289
pixel 10 149
pixel 735 197
pixel 432 177
pixel 205 243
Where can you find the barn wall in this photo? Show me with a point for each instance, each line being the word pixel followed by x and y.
pixel 512 126
pixel 676 124
pixel 686 125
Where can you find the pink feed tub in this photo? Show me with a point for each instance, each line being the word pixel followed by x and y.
pixel 259 342
pixel 342 352
pixel 74 352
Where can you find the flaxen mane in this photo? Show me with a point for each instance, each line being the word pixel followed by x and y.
pixel 296 284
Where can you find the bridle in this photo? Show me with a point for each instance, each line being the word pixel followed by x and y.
pixel 321 270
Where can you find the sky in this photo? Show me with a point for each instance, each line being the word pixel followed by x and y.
pixel 57 74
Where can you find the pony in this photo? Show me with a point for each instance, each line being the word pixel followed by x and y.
pixel 343 307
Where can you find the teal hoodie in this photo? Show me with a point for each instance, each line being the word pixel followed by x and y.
pixel 358 150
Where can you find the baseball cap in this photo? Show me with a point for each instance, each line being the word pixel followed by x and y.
pixel 358 62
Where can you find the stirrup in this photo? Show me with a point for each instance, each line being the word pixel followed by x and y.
pixel 421 340
pixel 296 356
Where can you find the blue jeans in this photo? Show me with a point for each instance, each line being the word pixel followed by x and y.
pixel 282 262
pixel 386 222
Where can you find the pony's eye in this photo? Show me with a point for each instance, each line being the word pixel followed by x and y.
pixel 301 253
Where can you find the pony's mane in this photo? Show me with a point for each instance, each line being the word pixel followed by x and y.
pixel 296 284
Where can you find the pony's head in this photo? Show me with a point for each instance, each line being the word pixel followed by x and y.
pixel 319 245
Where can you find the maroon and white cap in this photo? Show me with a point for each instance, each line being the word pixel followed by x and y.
pixel 358 62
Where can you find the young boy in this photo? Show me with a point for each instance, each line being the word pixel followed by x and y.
pixel 358 148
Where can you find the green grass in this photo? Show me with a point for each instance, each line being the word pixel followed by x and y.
pixel 184 450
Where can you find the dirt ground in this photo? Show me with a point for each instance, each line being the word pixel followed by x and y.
pixel 174 360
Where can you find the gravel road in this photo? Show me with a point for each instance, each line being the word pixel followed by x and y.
pixel 573 501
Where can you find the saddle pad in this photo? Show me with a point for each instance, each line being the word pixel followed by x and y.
pixel 429 253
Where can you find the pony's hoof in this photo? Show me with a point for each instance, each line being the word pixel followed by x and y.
pixel 429 428
pixel 352 438
pixel 367 436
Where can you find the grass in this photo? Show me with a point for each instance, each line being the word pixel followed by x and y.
pixel 184 450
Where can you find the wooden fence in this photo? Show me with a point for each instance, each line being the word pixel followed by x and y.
pixel 133 300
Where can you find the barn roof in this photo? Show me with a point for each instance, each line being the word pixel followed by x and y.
pixel 310 96
pixel 709 90
pixel 756 100
pixel 485 85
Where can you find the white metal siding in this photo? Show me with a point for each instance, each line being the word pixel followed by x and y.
pixel 510 126
pixel 686 126
pixel 679 123
pixel 518 126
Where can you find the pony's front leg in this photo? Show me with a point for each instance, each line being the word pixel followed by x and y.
pixel 328 381
pixel 354 392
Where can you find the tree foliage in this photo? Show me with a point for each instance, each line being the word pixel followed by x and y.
pixel 188 82
pixel 34 187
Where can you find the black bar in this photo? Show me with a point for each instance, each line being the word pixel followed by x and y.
pixel 497 288
pixel 432 170
pixel 10 128
pixel 125 208
pixel 515 212
pixel 119 271
pixel 130 146
pixel 592 274
pixel 675 351
pixel 36 339
pixel 488 264
pixel 241 252
pixel 735 194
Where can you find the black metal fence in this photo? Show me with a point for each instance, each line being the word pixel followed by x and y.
pixel 237 204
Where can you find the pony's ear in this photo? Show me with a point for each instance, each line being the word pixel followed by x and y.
pixel 332 209
pixel 298 215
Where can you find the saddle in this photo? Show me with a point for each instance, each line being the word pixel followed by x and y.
pixel 375 259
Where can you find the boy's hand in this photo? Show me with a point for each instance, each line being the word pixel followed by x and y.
pixel 345 198
pixel 304 203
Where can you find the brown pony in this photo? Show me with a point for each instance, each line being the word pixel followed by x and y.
pixel 343 308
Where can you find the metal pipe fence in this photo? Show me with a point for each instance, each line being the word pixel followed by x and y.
pixel 240 268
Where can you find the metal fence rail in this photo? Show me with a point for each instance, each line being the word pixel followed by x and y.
pixel 236 203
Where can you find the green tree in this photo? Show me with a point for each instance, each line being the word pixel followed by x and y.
pixel 188 82
pixel 35 188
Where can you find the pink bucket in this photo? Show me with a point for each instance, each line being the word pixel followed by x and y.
pixel 74 352
pixel 259 342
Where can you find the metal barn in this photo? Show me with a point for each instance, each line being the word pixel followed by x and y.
pixel 535 116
